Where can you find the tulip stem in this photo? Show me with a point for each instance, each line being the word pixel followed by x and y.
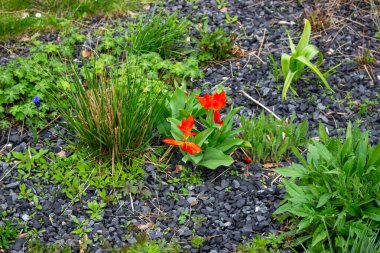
pixel 260 104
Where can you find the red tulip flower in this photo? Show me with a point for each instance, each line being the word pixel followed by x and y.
pixel 214 102
pixel 186 127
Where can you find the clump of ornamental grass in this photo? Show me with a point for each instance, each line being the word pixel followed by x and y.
pixel 160 33
pixel 114 112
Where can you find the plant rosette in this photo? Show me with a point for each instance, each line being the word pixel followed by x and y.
pixel 209 143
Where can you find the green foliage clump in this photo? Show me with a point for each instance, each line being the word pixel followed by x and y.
pixel 38 247
pixel 21 80
pixel 114 112
pixel 8 233
pixel 160 33
pixel 197 241
pixel 335 191
pixel 75 173
pixel 215 45
pixel 215 140
pixel 259 244
pixel 145 245
pixel 293 66
pixel 272 139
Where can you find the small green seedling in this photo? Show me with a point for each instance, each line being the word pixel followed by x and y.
pixel 95 209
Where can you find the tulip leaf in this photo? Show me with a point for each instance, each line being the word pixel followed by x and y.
pixel 229 144
pixel 201 137
pixel 305 61
pixel 213 158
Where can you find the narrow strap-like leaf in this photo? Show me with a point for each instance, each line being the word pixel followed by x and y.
pixel 305 61
pixel 304 41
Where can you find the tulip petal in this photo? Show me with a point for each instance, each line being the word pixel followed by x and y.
pixel 191 148
pixel 172 142
pixel 186 127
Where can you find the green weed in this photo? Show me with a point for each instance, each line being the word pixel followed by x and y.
pixel 8 233
pixel 214 45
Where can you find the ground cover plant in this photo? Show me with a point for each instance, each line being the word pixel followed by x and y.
pixel 335 191
pixel 150 129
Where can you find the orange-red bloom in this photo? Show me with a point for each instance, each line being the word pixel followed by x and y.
pixel 186 127
pixel 214 102
pixel 189 147
pixel 217 118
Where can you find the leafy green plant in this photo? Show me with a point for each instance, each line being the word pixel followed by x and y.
pixel 25 162
pixel 81 228
pixel 260 244
pixel 197 242
pixel 144 245
pixel 215 45
pixel 39 247
pixel 95 209
pixel 272 139
pixel 211 145
pixel 114 113
pixel 183 217
pixel 293 66
pixel 334 190
pixel 161 33
pixel 21 80
pixel 8 233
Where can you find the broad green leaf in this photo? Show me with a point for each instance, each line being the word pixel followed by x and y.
pixel 196 158
pixel 175 131
pixel 310 51
pixel 201 137
pixel 214 158
pixel 304 40
pixel 362 157
pixel 291 44
pixel 319 235
pixel 285 64
pixel 288 81
pixel 292 189
pixel 308 63
pixel 323 199
pixel 227 145
pixel 294 171
pixel 322 133
pixel 283 208
pixel 322 151
pixel 305 223
pixel 177 101
pixel 372 212
pixel 374 156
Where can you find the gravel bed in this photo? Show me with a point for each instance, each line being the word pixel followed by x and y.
pixel 231 206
